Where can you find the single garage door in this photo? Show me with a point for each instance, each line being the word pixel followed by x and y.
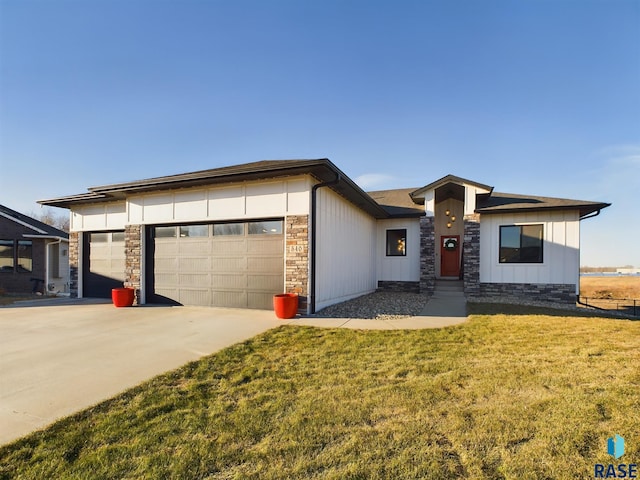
pixel 104 263
pixel 238 264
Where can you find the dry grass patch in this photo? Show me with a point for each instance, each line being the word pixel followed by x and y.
pixel 502 396
pixel 610 287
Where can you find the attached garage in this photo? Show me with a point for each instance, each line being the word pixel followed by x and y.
pixel 104 263
pixel 230 264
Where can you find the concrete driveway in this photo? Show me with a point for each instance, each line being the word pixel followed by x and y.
pixel 57 360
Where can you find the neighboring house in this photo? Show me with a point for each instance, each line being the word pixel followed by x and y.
pixel 34 256
pixel 234 236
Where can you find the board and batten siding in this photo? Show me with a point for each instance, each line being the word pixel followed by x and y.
pixel 260 199
pixel 345 250
pixel 561 249
pixel 399 269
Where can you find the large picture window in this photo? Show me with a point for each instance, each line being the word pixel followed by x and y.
pixel 397 243
pixel 521 243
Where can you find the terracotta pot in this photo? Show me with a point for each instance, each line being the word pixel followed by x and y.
pixel 123 297
pixel 285 305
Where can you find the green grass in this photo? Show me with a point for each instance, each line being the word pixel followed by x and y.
pixel 502 396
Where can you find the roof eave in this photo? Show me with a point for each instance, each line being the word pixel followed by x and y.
pixel 583 209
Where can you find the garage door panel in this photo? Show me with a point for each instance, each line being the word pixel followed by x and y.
pixel 163 264
pixel 260 300
pixel 190 247
pixel 166 247
pixel 228 264
pixel 264 282
pixel 229 281
pixel 195 296
pixel 265 264
pixel 186 280
pixel 262 244
pixel 229 299
pixel 194 264
pixel 166 279
pixel 220 270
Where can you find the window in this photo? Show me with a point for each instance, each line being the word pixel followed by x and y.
pixel 521 243
pixel 99 237
pixel 25 256
pixel 228 229
pixel 194 231
pixel 397 243
pixel 6 255
pixel 165 232
pixel 269 227
pixel 117 237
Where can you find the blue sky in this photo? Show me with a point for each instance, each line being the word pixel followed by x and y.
pixel 539 97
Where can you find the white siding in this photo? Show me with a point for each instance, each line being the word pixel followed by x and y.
pixel 229 202
pixel 399 269
pixel 101 216
pixel 346 250
pixel 561 249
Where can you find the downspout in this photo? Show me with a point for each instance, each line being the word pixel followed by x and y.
pixel 312 277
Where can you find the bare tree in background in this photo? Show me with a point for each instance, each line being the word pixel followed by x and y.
pixel 51 217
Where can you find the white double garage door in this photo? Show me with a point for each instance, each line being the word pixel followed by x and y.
pixel 236 264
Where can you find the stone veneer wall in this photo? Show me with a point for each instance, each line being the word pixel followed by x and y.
pixel 133 258
pixel 296 272
pixel 398 286
pixel 427 255
pixel 74 251
pixel 527 293
pixel 471 255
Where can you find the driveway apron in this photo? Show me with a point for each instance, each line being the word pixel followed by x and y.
pixel 57 360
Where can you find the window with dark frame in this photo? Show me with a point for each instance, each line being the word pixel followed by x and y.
pixel 521 243
pixel 25 256
pixel 6 256
pixel 265 227
pixel 397 243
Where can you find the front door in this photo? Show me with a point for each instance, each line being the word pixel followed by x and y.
pixel 450 256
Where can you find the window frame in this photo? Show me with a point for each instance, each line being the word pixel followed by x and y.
pixel 10 268
pixel 520 260
pixel 392 250
pixel 24 243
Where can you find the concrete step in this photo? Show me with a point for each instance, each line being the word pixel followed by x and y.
pixel 448 294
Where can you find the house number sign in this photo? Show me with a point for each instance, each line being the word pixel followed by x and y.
pixel 296 249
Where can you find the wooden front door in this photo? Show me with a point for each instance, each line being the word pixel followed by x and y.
pixel 450 256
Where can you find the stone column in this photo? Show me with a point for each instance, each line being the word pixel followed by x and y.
pixel 427 255
pixel 471 255
pixel 296 273
pixel 74 252
pixel 133 259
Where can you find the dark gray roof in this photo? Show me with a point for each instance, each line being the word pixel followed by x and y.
pixel 322 169
pixel 398 203
pixel 39 229
pixel 419 193
pixel 404 202
pixel 510 202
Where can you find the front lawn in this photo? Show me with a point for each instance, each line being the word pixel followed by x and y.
pixel 501 396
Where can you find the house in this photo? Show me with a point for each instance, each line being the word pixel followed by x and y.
pixel 34 256
pixel 234 236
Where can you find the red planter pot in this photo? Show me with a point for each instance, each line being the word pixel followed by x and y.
pixel 285 305
pixel 123 297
